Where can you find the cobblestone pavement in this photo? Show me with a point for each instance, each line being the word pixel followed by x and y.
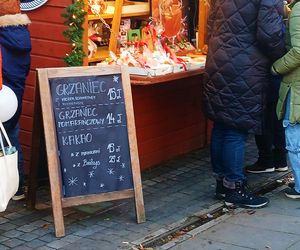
pixel 172 191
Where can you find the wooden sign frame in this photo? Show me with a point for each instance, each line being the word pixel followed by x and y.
pixel 45 107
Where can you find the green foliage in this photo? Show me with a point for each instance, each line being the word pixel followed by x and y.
pixel 75 16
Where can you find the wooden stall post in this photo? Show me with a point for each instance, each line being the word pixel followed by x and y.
pixel 202 20
pixel 113 42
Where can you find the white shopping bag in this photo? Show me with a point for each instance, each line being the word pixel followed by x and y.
pixel 9 175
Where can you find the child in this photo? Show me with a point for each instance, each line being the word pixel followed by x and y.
pixel 288 106
pixel 15 47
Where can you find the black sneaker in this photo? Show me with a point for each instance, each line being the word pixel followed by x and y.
pixel 291 185
pixel 242 197
pixel 220 190
pixel 281 169
pixel 292 193
pixel 257 169
pixel 20 195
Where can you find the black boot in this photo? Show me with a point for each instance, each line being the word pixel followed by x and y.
pixel 220 190
pixel 241 196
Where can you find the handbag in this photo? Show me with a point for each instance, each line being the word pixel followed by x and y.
pixel 9 174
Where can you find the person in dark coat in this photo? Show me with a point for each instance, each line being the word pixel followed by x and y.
pixel 15 47
pixel 243 38
pixel 271 143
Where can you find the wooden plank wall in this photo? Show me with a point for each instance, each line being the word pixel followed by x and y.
pixel 48 48
pixel 169 119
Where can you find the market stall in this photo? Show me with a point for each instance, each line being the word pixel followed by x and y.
pixel 167 106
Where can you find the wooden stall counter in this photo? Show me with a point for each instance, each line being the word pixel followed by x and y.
pixel 147 80
pixel 168 115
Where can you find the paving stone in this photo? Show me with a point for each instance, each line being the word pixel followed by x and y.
pixel 13 243
pixel 89 231
pixel 39 223
pixel 2 238
pixel 12 233
pixel 48 218
pixel 71 238
pixel 42 231
pixel 2 247
pixel 26 212
pixel 28 236
pixel 12 216
pixel 48 237
pixel 149 183
pixel 7 226
pixel 22 247
pixel 107 223
pixel 57 244
pixel 27 228
pixel 88 244
pixel 3 220
pixel 36 243
pixel 45 248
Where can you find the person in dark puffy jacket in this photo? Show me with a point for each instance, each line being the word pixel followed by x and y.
pixel 271 143
pixel 15 47
pixel 244 37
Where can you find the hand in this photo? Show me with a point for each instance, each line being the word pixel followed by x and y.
pixel 286 11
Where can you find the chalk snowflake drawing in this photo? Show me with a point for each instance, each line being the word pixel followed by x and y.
pixel 110 171
pixel 73 181
pixel 121 178
pixel 91 174
pixel 102 185
pixel 84 184
pixel 123 165
pixel 65 170
pixel 115 79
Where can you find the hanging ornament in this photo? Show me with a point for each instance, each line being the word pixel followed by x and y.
pixel 8 103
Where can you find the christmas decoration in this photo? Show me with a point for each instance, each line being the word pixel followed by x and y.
pixel 75 15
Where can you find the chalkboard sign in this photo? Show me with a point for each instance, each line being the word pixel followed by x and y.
pixel 91 128
pixel 90 138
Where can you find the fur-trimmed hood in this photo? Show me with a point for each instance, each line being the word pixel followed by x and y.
pixel 14 20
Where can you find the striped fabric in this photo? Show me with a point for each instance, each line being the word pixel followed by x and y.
pixel 27 5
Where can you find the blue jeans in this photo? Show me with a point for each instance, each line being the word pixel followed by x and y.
pixel 227 154
pixel 292 138
pixel 13 135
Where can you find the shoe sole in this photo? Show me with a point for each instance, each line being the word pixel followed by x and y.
pixel 282 169
pixel 19 197
pixel 268 170
pixel 230 204
pixel 292 196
